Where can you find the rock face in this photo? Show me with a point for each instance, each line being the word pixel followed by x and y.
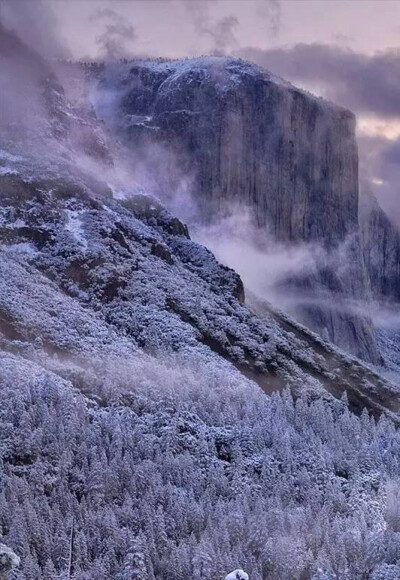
pixel 253 139
pixel 250 139
pixel 381 248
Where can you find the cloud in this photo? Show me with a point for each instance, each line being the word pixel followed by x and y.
pixel 366 84
pixel 117 37
pixel 264 264
pixel 222 33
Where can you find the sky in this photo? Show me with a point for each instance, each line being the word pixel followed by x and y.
pixel 347 51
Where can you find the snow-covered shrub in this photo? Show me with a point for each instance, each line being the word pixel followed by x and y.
pixel 8 561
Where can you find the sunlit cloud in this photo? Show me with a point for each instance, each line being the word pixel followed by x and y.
pixel 372 126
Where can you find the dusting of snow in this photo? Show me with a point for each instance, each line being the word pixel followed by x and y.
pixel 210 64
pixel 25 248
pixel 7 222
pixel 119 195
pixel 19 223
pixel 139 119
pixel 8 560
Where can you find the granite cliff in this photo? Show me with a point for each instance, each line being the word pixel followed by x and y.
pixel 251 140
pixel 381 249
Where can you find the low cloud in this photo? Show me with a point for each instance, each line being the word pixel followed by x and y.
pixel 264 264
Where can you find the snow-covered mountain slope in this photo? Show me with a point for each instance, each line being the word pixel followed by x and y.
pixel 80 268
pixel 181 470
pixel 128 422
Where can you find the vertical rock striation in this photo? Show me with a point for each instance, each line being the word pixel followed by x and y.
pixel 381 248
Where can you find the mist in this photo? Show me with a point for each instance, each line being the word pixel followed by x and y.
pixel 263 263
pixel 37 26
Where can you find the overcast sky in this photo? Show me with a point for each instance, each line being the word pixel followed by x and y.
pixel 345 50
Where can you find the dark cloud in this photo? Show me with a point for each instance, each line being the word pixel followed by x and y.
pixel 363 83
pixel 115 40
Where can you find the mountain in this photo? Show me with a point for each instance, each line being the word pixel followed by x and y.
pixel 156 420
pixel 249 140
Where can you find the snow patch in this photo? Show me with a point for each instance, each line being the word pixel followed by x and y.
pixel 119 195
pixel 8 560
pixel 74 226
pixel 7 171
pixel 25 248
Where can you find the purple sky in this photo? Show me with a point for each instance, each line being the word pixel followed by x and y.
pixel 345 50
